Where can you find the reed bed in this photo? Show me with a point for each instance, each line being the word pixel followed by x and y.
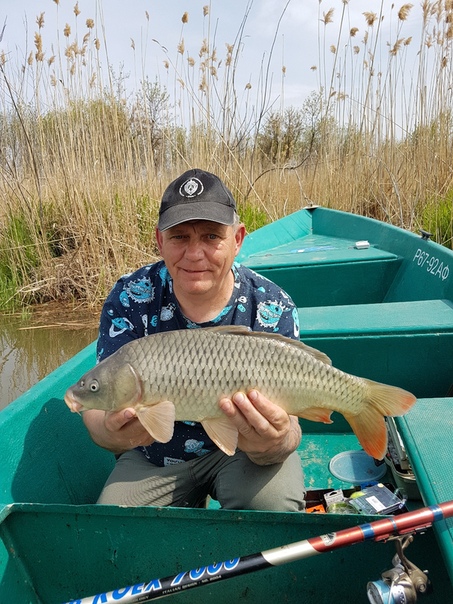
pixel 83 162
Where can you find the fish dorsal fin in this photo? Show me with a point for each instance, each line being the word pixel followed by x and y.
pixel 314 352
pixel 159 420
pixel 242 330
pixel 223 433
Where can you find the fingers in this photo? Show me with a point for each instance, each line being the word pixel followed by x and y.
pixel 127 429
pixel 272 412
pixel 252 414
pixel 232 410
pixel 255 412
pixel 266 433
pixel 116 431
pixel 115 420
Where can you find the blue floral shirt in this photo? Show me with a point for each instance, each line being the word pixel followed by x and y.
pixel 143 303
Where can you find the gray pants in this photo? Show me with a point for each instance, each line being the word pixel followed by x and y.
pixel 235 482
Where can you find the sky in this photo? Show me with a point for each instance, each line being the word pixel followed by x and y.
pixel 282 40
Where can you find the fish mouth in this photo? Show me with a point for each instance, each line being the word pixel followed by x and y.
pixel 72 402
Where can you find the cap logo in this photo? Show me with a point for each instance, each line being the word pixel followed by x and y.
pixel 191 188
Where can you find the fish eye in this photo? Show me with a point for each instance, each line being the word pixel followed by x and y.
pixel 94 386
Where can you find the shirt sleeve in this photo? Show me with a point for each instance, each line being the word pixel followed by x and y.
pixel 118 323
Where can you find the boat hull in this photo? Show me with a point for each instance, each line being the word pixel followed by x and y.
pixel 66 552
pixel 384 312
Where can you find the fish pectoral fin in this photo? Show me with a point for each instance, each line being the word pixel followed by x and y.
pixel 223 433
pixel 317 414
pixel 159 420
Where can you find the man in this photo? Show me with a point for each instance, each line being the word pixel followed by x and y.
pixel 199 284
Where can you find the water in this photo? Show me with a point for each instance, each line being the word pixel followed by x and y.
pixel 32 348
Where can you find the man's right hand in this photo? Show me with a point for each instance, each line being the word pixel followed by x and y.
pixel 116 431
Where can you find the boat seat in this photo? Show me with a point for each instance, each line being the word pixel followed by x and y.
pixel 418 316
pixel 315 267
pixel 431 460
pixel 404 339
pixel 316 250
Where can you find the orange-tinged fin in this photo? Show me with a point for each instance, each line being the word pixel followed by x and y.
pixel 369 425
pixel 158 419
pixel 221 431
pixel 317 414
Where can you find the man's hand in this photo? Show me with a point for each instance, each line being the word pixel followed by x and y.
pixel 267 434
pixel 117 431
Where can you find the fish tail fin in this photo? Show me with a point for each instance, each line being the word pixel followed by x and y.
pixel 369 425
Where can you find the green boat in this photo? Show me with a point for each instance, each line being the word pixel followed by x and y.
pixel 379 302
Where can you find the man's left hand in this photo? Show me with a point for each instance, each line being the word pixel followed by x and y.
pixel 267 434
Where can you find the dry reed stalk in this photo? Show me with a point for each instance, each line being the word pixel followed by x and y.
pixel 87 173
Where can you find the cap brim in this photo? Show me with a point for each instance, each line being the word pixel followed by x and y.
pixel 213 212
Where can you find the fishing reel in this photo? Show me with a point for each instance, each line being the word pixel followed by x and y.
pixel 402 583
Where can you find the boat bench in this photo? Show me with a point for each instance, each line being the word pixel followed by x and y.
pixel 317 268
pixel 389 342
pixel 418 316
pixel 427 434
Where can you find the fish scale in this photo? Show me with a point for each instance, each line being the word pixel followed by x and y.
pixel 182 375
pixel 220 375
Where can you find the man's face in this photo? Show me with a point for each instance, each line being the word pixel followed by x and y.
pixel 199 255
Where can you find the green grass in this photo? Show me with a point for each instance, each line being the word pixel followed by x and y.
pixel 437 218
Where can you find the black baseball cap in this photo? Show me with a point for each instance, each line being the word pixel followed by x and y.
pixel 196 195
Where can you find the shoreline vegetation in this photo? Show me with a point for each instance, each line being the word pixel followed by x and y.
pixel 83 162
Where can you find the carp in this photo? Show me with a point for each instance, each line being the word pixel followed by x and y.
pixel 183 374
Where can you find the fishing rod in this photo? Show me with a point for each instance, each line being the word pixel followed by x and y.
pixel 403 525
